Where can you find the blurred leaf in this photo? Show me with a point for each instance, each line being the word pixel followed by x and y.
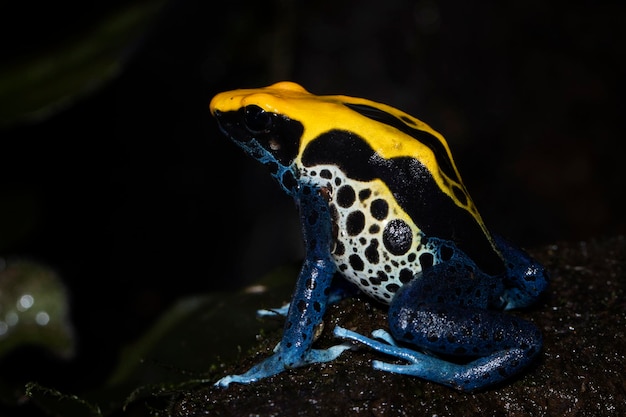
pixel 183 348
pixel 33 308
pixel 199 332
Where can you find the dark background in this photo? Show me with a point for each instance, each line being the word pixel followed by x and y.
pixel 133 196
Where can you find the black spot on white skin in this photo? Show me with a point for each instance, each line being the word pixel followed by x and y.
pixel 356 262
pixel 379 278
pixel 355 223
pixel 340 249
pixel 346 196
pixel 371 252
pixel 397 237
pixel 392 287
pixel 365 194
pixel 405 275
pixel 426 260
pixel 379 209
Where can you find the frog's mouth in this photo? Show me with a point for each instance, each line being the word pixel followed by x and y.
pixel 231 127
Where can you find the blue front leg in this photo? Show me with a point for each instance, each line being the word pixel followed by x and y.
pixel 308 304
pixel 450 310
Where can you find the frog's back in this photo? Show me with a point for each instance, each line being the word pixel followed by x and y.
pixel 390 179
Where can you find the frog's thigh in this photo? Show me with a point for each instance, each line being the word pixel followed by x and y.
pixel 444 309
pixel 491 345
pixel 495 345
pixel 462 332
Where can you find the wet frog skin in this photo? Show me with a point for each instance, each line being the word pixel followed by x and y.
pixel 382 205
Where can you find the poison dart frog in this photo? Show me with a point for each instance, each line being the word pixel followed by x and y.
pixel 382 205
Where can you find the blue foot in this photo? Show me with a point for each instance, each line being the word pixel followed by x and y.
pixel 273 312
pixel 474 375
pixel 276 363
pixel 384 335
pixel 387 348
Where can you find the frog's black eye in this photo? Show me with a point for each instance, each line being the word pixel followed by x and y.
pixel 257 120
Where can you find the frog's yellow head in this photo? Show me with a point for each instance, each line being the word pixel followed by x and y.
pixel 285 119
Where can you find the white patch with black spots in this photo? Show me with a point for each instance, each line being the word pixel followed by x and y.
pixel 377 246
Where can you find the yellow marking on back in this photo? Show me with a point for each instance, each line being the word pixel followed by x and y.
pixel 319 114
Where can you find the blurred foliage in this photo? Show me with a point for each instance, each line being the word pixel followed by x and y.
pixel 45 81
pixel 185 347
pixel 34 308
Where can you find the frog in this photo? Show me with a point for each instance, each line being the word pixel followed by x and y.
pixel 382 207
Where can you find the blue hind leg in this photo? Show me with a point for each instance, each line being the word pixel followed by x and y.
pixel 505 359
pixel 477 347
